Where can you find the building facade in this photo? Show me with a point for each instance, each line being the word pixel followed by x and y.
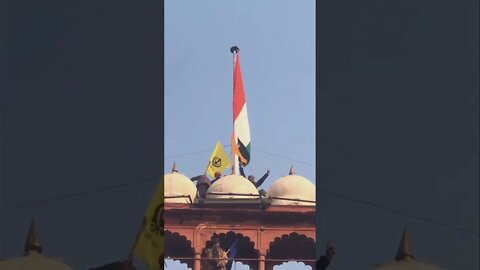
pixel 264 231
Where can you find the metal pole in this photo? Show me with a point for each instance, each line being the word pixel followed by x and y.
pixel 235 168
pixel 208 165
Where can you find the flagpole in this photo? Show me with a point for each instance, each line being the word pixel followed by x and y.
pixel 235 168
pixel 208 165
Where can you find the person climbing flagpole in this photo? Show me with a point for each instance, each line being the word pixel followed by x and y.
pixel 241 128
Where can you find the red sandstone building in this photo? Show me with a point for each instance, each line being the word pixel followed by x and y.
pixel 270 231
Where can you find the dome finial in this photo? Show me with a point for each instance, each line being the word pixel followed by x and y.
pixel 33 240
pixel 405 250
pixel 292 170
pixel 174 168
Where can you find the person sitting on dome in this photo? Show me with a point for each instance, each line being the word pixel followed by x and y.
pixel 258 183
pixel 252 178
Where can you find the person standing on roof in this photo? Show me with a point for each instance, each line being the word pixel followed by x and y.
pixel 203 183
pixel 251 178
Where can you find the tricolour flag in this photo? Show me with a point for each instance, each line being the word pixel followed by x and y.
pixel 219 160
pixel 241 128
pixel 150 245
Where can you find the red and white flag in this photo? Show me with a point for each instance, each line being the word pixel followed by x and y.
pixel 241 128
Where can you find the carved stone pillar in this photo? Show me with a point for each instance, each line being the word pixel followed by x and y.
pixel 269 265
pixel 197 262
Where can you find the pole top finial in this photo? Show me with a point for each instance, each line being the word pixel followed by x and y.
pixel 234 49
pixel 174 168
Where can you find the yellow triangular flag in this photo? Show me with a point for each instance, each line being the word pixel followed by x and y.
pixel 150 245
pixel 219 160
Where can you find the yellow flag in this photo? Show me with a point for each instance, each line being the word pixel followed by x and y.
pixel 219 160
pixel 150 245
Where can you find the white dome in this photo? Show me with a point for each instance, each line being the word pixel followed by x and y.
pixel 292 187
pixel 232 187
pixel 404 260
pixel 405 265
pixel 33 261
pixel 177 184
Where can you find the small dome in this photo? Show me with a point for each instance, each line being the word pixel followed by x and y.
pixel 176 185
pixel 34 261
pixel 292 187
pixel 405 260
pixel 33 258
pixel 406 265
pixel 237 186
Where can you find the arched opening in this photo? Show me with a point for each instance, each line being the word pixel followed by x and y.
pixel 292 265
pixel 243 252
pixel 178 250
pixel 175 265
pixel 289 249
pixel 239 266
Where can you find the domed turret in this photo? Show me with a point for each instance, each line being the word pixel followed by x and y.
pixel 178 187
pixel 33 258
pixel 404 259
pixel 292 190
pixel 232 187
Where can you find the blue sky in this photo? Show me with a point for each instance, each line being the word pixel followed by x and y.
pixel 277 50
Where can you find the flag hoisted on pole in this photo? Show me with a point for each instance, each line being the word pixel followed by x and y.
pixel 241 127
pixel 219 160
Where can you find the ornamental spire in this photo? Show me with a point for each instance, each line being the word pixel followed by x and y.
pixel 292 170
pixel 174 168
pixel 33 240
pixel 405 250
